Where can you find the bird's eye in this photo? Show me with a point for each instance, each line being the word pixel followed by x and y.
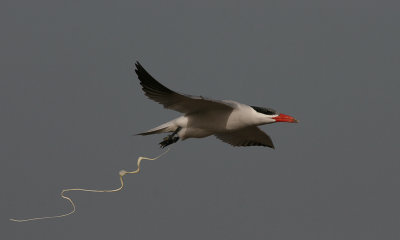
pixel 267 111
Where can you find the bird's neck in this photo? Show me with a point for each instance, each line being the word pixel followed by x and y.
pixel 262 119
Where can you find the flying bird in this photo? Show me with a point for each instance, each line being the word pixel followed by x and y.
pixel 230 121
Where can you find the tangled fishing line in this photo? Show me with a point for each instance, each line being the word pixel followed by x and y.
pixel 122 173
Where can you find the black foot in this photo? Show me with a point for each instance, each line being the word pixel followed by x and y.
pixel 168 141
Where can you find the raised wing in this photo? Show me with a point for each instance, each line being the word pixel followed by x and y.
pixel 250 136
pixel 172 100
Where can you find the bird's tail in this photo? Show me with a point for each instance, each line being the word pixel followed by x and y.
pixel 166 127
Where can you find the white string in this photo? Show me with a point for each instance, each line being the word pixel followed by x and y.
pixel 122 173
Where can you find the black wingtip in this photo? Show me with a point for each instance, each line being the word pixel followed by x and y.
pixel 149 84
pixel 271 146
pixel 137 65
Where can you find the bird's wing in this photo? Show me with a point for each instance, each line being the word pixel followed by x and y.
pixel 250 136
pixel 172 100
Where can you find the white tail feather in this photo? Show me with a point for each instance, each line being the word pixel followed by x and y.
pixel 166 127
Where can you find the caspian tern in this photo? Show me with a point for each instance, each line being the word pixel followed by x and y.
pixel 230 121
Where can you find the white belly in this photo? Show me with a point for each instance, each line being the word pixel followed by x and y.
pixel 203 124
pixel 193 133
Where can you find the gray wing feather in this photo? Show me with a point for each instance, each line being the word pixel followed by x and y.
pixel 172 100
pixel 250 136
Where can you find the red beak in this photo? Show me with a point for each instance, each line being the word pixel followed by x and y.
pixel 285 118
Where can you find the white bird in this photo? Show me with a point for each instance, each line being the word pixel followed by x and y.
pixel 230 121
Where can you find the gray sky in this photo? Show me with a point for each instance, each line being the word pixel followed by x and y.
pixel 70 102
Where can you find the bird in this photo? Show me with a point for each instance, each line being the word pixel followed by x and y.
pixel 230 121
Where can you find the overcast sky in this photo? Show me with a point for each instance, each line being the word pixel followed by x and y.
pixel 70 102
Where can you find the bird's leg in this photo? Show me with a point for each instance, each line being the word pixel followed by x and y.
pixel 170 139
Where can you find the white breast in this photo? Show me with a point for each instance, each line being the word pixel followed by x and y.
pixel 203 124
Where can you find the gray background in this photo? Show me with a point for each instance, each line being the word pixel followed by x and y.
pixel 70 102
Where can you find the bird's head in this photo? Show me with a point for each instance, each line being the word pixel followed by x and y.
pixel 275 116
